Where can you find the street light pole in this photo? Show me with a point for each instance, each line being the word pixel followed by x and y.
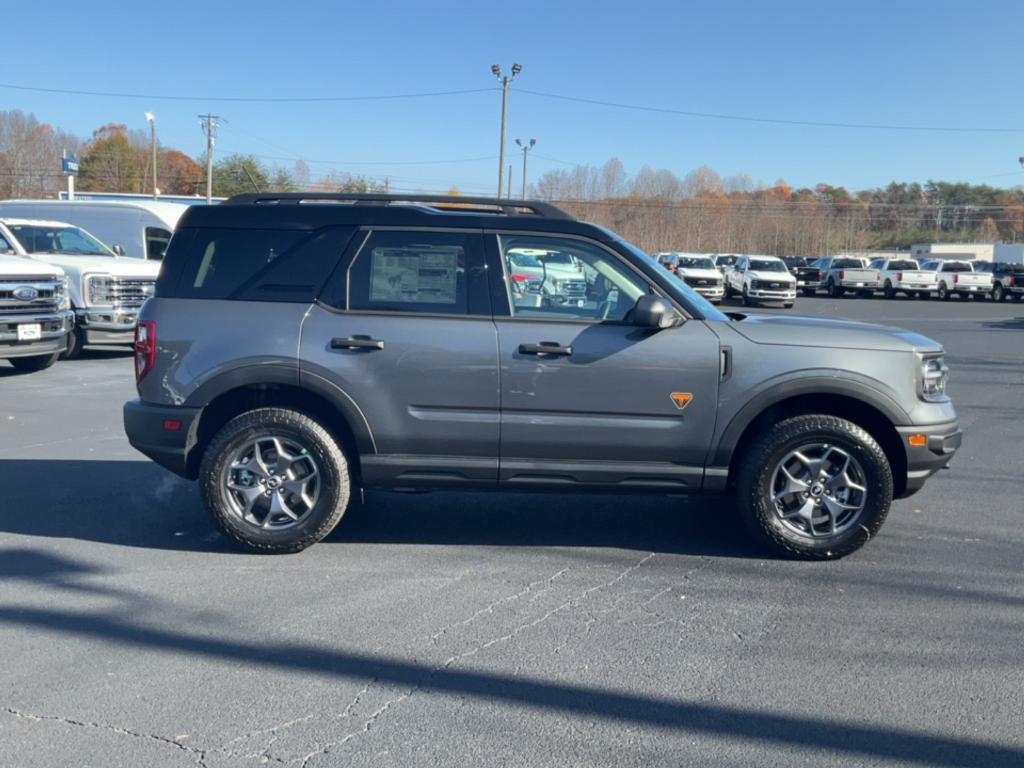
pixel 526 151
pixel 152 126
pixel 505 81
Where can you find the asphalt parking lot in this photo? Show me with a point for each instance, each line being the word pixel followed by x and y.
pixel 515 630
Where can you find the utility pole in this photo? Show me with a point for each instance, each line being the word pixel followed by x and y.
pixel 527 146
pixel 209 126
pixel 505 81
pixel 152 125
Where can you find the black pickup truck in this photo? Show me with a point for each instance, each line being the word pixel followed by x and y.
pixel 1007 280
pixel 807 277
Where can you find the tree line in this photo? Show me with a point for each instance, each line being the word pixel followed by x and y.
pixel 703 212
pixel 116 159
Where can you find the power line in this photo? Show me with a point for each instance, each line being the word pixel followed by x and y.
pixel 250 99
pixel 771 120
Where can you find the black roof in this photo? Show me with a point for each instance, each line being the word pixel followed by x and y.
pixel 312 210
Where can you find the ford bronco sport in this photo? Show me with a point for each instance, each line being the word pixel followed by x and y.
pixel 302 347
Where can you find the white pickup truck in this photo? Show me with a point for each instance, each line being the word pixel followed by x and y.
pixel 106 291
pixel 35 318
pixel 959 278
pixel 904 276
pixel 839 274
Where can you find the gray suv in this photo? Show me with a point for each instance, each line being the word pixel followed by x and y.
pixel 301 348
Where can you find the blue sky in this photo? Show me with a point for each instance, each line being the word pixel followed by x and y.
pixel 906 62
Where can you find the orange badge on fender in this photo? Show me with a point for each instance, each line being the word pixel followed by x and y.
pixel 681 399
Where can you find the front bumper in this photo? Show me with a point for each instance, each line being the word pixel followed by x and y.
pixel 53 333
pixel 709 291
pixel 765 295
pixel 108 326
pixel 940 443
pixel 147 430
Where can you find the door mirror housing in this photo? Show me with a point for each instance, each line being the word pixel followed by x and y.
pixel 118 250
pixel 653 312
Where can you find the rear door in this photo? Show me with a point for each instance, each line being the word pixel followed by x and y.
pixel 404 333
pixel 589 400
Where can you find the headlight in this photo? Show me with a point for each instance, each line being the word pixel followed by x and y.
pixel 934 375
pixel 99 291
pixel 62 294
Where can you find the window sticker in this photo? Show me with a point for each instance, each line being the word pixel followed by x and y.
pixel 414 276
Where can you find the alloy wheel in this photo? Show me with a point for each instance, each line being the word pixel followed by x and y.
pixel 272 482
pixel 819 490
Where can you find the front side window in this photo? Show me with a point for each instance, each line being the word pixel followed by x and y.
pixel 64 240
pixel 571 279
pixel 412 272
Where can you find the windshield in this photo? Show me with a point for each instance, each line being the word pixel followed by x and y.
pixel 554 257
pixel 847 264
pixel 766 265
pixel 693 299
pixel 796 261
pixel 727 261
pixel 35 238
pixel 695 262
pixel 522 260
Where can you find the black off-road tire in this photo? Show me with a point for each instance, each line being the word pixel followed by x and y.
pixel 34 363
pixel 998 294
pixel 889 291
pixel 754 486
pixel 835 291
pixel 335 489
pixel 943 292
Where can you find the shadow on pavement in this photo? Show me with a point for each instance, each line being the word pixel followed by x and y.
pixel 138 504
pixel 743 724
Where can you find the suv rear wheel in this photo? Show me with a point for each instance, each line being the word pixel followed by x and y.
pixel 814 487
pixel 275 480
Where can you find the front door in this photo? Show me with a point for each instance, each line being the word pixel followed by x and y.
pixel 409 340
pixel 587 398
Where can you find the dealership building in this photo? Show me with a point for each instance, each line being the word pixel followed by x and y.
pixel 1012 253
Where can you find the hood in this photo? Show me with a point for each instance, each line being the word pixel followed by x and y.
pixel 801 331
pixel 79 265
pixel 776 277
pixel 18 266
pixel 711 274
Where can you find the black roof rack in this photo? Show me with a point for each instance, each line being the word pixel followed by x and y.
pixel 441 203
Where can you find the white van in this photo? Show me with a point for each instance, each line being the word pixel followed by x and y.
pixel 140 230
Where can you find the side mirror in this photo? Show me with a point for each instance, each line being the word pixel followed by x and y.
pixel 118 250
pixel 653 312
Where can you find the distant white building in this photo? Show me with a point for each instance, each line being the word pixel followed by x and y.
pixel 1012 253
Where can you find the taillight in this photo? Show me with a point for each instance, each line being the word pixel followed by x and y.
pixel 519 278
pixel 842 274
pixel 956 279
pixel 899 277
pixel 145 348
pixel 1011 280
pixel 821 276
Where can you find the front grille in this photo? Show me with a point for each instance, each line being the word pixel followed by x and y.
pixel 48 294
pixel 702 282
pixel 770 285
pixel 118 292
pixel 576 289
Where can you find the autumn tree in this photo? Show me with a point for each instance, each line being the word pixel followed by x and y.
pixel 112 163
pixel 178 174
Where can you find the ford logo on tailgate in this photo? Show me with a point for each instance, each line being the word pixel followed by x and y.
pixel 25 293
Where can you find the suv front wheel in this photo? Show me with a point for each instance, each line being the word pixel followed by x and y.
pixel 275 480
pixel 815 487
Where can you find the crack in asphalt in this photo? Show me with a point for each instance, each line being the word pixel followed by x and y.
pixel 379 712
pixel 32 717
pixel 500 601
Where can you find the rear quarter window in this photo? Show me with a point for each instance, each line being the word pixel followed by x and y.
pixel 251 264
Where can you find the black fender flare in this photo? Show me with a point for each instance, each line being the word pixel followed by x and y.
pixel 845 384
pixel 288 374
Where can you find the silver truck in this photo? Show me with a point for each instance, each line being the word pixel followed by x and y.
pixel 35 318
pixel 839 274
